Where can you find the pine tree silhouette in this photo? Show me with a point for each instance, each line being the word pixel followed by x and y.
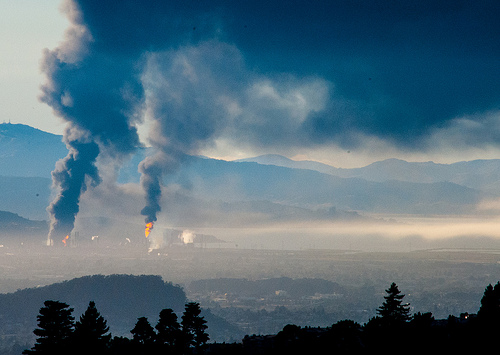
pixel 393 311
pixel 55 328
pixel 194 326
pixel 490 304
pixel 143 333
pixel 168 331
pixel 91 335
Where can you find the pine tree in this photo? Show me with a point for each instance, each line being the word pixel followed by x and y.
pixel 194 326
pixel 393 311
pixel 55 327
pixel 489 312
pixel 168 330
pixel 143 333
pixel 91 333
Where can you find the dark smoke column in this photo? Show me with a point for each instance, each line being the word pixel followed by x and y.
pixel 152 169
pixel 151 175
pixel 97 92
pixel 184 87
pixel 71 177
pixel 95 83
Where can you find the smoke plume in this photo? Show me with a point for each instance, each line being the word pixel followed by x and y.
pixel 94 81
pixel 151 169
pixel 99 98
pixel 183 101
pixel 71 177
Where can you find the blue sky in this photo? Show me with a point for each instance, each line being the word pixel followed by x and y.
pixel 26 28
pixel 344 82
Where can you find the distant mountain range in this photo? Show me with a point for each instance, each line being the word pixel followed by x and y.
pixel 483 175
pixel 26 196
pixel 302 188
pixel 266 188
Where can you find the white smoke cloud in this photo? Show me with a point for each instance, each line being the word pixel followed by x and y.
pixel 197 94
pixel 155 240
pixel 187 236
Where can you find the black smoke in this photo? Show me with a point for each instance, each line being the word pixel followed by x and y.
pixel 98 94
pixel 71 177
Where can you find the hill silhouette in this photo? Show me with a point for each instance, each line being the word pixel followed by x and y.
pixel 121 299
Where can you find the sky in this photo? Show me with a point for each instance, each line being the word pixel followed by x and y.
pixel 343 82
pixel 26 28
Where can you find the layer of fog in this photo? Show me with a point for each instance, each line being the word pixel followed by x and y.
pixel 120 206
pixel 415 233
pixel 404 234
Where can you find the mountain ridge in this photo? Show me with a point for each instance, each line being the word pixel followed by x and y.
pixel 18 158
pixel 206 188
pixel 466 173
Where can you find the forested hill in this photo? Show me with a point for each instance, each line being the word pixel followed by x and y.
pixel 121 299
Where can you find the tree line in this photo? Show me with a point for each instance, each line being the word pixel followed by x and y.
pixel 59 333
pixel 392 328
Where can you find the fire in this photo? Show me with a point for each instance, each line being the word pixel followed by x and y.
pixel 149 227
pixel 65 240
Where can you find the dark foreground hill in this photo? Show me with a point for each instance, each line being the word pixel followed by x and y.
pixel 121 300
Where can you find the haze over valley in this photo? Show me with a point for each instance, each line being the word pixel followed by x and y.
pixel 268 201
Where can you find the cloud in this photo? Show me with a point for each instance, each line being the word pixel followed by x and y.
pixel 479 130
pixel 200 93
pixel 398 69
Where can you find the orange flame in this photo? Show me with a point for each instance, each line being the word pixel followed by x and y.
pixel 65 239
pixel 149 227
